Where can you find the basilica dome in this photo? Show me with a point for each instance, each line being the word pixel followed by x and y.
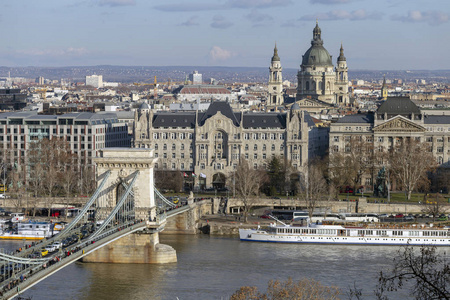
pixel 317 55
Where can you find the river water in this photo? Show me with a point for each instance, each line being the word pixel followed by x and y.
pixel 214 268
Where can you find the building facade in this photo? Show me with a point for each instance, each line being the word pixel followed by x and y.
pixel 85 132
pixel 196 78
pixel 318 79
pixel 95 81
pixel 395 120
pixel 209 144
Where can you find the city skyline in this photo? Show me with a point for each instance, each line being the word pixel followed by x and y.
pixel 387 34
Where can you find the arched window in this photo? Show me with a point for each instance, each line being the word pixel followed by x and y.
pixel 307 85
pixel 313 86
pixel 320 85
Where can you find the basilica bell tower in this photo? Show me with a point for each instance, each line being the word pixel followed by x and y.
pixel 275 81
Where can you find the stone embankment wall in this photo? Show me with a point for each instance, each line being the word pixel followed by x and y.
pixel 188 222
pixel 337 206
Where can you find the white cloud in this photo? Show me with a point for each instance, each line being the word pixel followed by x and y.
pixel 230 4
pixel 220 22
pixel 218 54
pixel 190 22
pixel 257 3
pixel 256 17
pixel 431 17
pixel 114 3
pixel 329 1
pixel 54 52
pixel 356 15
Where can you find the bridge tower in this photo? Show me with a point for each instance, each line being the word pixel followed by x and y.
pixel 144 246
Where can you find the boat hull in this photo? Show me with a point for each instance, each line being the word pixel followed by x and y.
pixel 253 235
pixel 20 237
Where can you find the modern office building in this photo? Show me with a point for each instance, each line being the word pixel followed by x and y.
pixel 210 144
pixel 12 99
pixel 85 132
pixel 196 78
pixel 95 81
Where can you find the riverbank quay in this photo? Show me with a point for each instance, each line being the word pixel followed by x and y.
pixel 228 225
pixel 221 225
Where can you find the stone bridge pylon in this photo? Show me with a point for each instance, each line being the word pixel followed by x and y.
pixel 143 246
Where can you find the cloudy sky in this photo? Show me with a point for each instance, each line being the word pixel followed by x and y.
pixel 376 34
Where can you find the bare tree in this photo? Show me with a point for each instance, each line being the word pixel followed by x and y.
pixel 303 289
pixel 409 163
pixel 434 207
pixel 248 181
pixel 336 179
pixel 427 272
pixel 313 187
pixel 68 182
pixel 169 180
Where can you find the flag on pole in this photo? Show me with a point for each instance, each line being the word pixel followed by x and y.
pixel 202 175
pixel 193 174
pixel 184 174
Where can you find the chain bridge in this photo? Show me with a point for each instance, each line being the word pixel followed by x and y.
pixel 119 224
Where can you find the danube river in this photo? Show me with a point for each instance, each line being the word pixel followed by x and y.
pixel 215 267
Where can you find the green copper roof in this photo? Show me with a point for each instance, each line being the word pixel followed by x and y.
pixel 317 55
pixel 275 56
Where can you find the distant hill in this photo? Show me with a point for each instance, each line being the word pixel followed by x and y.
pixel 127 74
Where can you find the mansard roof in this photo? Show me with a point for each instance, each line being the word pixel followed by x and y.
pixel 358 118
pixel 247 119
pixel 398 106
pixel 432 119
pixel 216 106
pixel 309 120
pixel 174 119
pixel 259 120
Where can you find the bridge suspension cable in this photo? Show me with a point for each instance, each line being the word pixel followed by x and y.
pixel 164 199
pixel 116 208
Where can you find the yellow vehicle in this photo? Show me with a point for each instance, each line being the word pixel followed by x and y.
pixel 175 200
pixel 44 252
pixel 3 188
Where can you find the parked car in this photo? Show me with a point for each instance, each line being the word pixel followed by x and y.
pixel 383 216
pixel 264 217
pixel 44 252
pixel 50 248
pixel 57 245
pixel 4 196
pixel 399 216
pixel 409 218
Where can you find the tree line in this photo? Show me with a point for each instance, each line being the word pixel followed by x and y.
pixel 50 170
pixel 408 166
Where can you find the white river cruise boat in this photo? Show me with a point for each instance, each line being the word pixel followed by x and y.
pixel 369 234
pixel 30 231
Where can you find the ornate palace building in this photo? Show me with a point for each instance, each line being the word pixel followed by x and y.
pixel 395 119
pixel 210 143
